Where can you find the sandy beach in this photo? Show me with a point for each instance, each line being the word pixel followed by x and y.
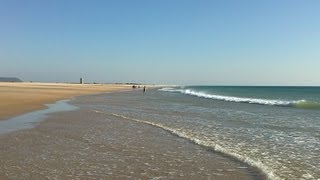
pixel 84 144
pixel 19 98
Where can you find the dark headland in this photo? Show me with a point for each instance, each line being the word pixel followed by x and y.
pixel 10 79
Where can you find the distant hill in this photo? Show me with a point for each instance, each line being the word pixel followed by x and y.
pixel 9 79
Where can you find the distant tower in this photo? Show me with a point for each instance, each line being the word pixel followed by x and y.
pixel 81 81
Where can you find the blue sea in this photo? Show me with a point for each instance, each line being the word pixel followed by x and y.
pixel 276 129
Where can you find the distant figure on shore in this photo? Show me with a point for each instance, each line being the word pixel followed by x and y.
pixel 144 89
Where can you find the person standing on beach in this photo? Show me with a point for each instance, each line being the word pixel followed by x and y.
pixel 144 89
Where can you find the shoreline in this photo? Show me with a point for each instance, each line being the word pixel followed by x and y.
pixel 32 119
pixel 19 98
pixel 256 172
pixel 86 144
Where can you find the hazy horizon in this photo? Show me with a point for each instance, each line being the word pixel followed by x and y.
pixel 162 42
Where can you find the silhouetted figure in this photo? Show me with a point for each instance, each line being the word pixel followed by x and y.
pixel 144 89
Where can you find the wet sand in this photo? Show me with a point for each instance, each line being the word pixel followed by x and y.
pixel 19 98
pixel 83 144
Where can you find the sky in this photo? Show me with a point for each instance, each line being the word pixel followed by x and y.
pixel 187 42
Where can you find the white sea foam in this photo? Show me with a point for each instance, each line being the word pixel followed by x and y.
pixel 203 142
pixel 233 98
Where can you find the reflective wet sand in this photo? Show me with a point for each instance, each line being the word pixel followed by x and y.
pixel 83 144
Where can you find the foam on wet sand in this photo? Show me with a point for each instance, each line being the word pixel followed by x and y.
pixel 85 144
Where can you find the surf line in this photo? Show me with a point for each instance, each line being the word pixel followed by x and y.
pixel 211 145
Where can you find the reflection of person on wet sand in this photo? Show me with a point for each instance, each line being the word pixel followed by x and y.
pixel 144 89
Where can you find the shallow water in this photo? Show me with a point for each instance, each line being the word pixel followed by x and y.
pixel 86 144
pixel 281 141
pixel 29 120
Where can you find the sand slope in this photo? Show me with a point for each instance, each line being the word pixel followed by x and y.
pixel 19 98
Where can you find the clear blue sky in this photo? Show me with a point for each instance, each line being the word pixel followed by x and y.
pixel 239 42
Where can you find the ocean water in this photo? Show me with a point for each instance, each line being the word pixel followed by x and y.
pixel 276 129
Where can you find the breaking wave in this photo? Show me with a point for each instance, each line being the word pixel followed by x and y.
pixel 303 104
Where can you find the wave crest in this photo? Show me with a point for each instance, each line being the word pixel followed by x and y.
pixel 298 104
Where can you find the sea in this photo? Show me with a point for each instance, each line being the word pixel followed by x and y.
pixel 276 129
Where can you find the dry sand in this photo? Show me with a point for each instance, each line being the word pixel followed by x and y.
pixel 19 98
